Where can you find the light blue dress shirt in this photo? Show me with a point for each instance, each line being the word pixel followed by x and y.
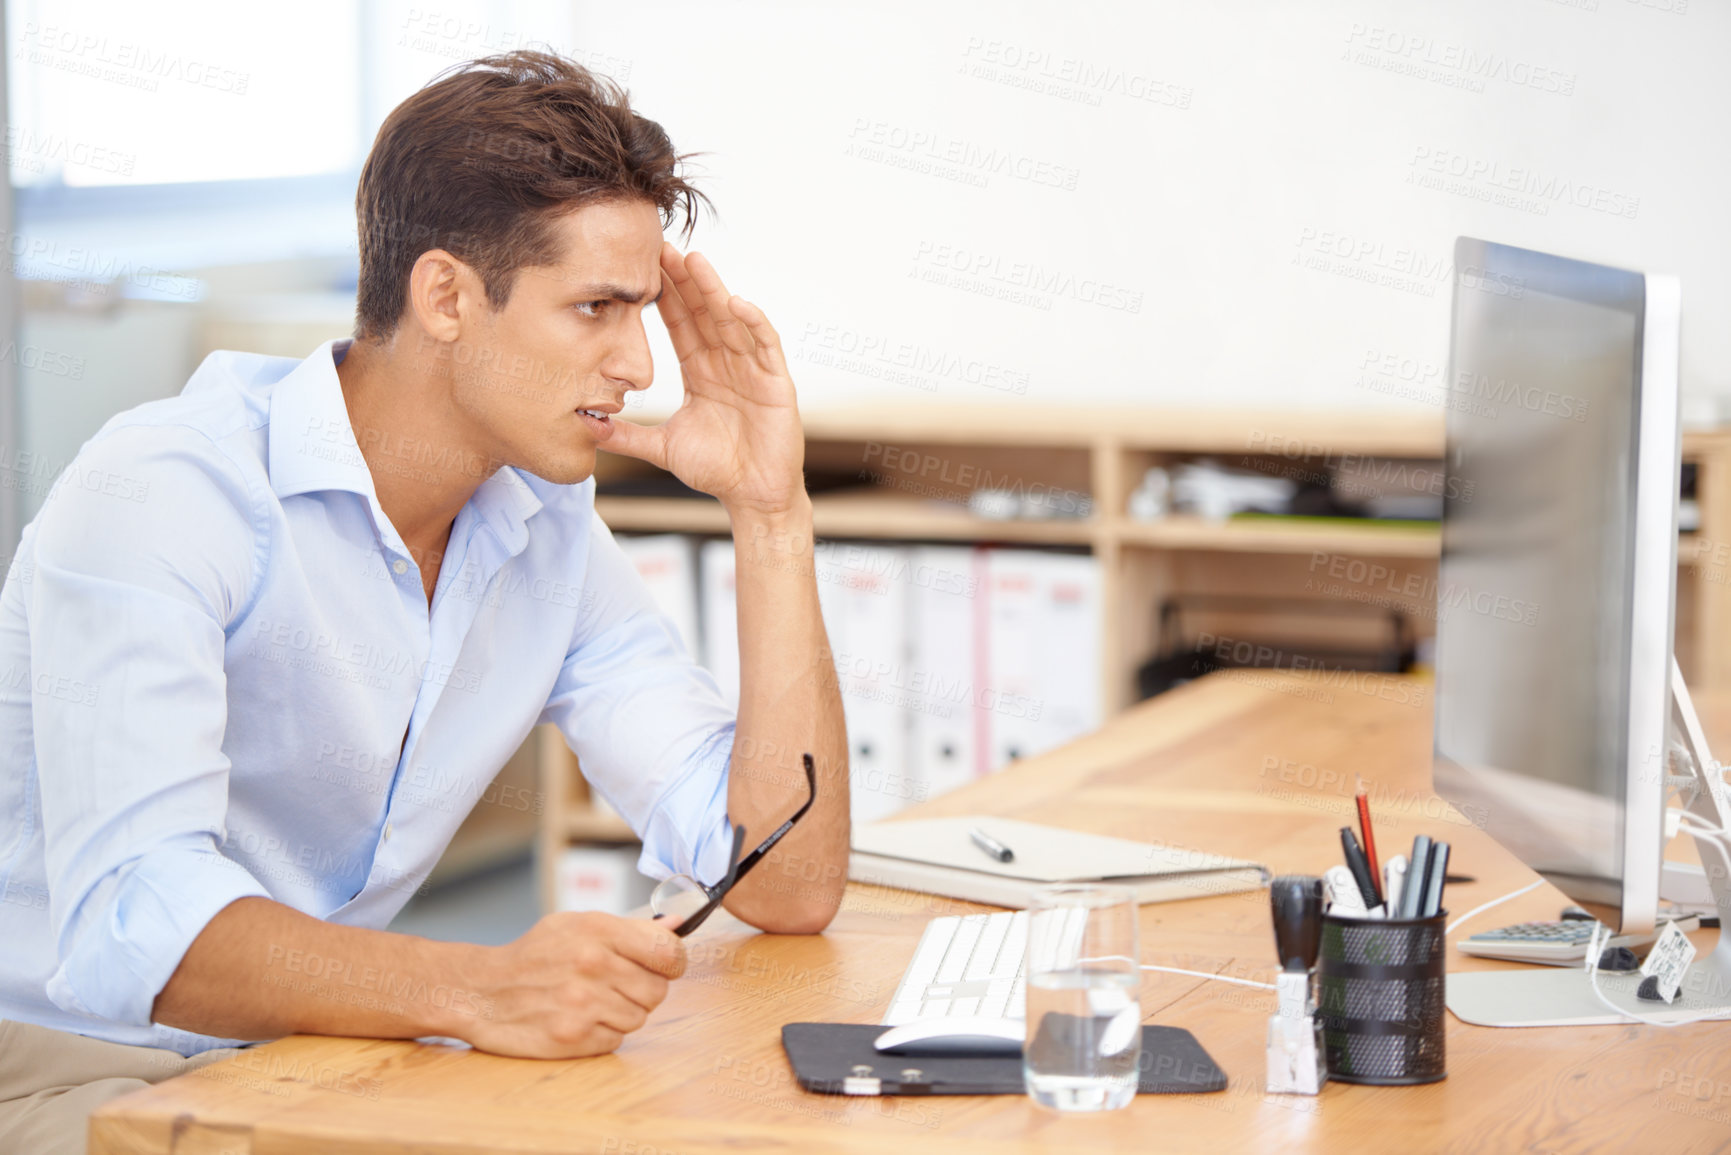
pixel 219 677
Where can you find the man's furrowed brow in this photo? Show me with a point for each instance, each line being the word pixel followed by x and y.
pixel 608 291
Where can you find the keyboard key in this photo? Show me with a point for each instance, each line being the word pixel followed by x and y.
pixel 1015 952
pixel 984 961
pixel 927 956
pixel 996 1003
pixel 970 965
pixel 961 947
pixel 902 1013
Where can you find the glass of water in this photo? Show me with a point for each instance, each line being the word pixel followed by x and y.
pixel 1084 998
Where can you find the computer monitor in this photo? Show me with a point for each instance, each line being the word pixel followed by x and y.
pixel 1556 585
pixel 1559 559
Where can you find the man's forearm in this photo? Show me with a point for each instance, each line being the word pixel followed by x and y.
pixel 789 705
pixel 261 970
pixel 574 984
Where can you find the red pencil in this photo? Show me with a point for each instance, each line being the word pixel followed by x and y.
pixel 1364 830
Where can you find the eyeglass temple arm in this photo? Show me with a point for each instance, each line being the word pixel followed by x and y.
pixel 768 845
pixel 733 861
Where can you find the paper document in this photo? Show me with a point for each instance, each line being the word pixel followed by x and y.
pixel 937 856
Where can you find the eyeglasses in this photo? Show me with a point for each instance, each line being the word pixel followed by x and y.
pixel 688 900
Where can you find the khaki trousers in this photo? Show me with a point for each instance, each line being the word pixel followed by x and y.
pixel 50 1081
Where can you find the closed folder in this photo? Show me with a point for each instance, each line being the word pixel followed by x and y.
pixel 937 856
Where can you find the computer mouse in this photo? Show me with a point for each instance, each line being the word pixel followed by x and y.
pixel 954 1036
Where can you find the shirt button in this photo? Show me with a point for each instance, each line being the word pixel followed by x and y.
pixel 400 567
pixel 387 831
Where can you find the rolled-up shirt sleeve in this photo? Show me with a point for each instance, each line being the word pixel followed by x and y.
pixel 145 550
pixel 648 725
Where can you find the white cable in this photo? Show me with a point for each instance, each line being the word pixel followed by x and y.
pixel 1691 816
pixel 1486 906
pixel 1696 822
pixel 1593 979
pixel 1715 836
pixel 1592 951
pixel 1718 839
pixel 1179 971
pixel 1206 975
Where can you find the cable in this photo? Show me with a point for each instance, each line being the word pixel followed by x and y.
pixel 1493 902
pixel 1593 980
pixel 1180 971
pixel 1718 839
pixel 1714 835
pixel 1698 824
pixel 1271 987
pixel 1206 975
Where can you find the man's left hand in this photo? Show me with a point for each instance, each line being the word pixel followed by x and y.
pixel 737 435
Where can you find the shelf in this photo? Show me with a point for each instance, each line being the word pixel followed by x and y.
pixel 479 852
pixel 1272 536
pixel 1158 429
pixel 662 514
pixel 867 514
pixel 1174 429
pixel 882 514
pixel 587 825
pixel 887 515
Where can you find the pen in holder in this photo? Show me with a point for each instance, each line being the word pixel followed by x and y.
pixel 1381 999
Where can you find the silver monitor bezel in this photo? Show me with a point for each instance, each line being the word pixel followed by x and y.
pixel 1657 450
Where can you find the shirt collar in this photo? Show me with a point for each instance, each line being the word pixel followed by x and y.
pixel 506 503
pixel 312 444
pixel 313 447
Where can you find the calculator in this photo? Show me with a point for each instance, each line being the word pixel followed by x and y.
pixel 1561 943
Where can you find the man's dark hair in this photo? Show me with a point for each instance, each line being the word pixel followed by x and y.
pixel 480 163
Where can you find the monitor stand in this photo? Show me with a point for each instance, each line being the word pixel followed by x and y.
pixel 1561 996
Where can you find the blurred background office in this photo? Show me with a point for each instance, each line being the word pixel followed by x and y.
pixel 1099 312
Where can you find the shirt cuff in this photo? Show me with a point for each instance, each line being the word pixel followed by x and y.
pixel 124 953
pixel 687 831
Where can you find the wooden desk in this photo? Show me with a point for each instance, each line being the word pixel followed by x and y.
pixel 1259 765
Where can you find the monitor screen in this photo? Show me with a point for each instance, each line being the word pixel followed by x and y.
pixel 1535 597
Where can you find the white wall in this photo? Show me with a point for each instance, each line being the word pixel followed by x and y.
pixel 1273 135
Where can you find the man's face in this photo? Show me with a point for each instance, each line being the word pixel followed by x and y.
pixel 570 338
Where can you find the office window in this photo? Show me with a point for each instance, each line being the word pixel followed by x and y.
pixel 112 92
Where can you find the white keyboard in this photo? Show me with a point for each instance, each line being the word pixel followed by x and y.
pixel 973 966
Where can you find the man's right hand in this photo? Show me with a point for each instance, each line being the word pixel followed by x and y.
pixel 574 985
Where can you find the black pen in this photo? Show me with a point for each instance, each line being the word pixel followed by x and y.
pixel 1439 860
pixel 991 845
pixel 1361 871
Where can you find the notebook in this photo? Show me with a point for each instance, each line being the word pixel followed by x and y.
pixel 937 856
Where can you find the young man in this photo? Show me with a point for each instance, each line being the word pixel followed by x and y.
pixel 258 624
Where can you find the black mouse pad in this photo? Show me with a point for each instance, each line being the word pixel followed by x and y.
pixel 838 1059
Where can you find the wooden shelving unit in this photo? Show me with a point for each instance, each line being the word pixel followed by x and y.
pixel 864 515
pixel 915 466
pixel 1703 578
pixel 1259 536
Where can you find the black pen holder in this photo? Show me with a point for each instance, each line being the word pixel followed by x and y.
pixel 1380 999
